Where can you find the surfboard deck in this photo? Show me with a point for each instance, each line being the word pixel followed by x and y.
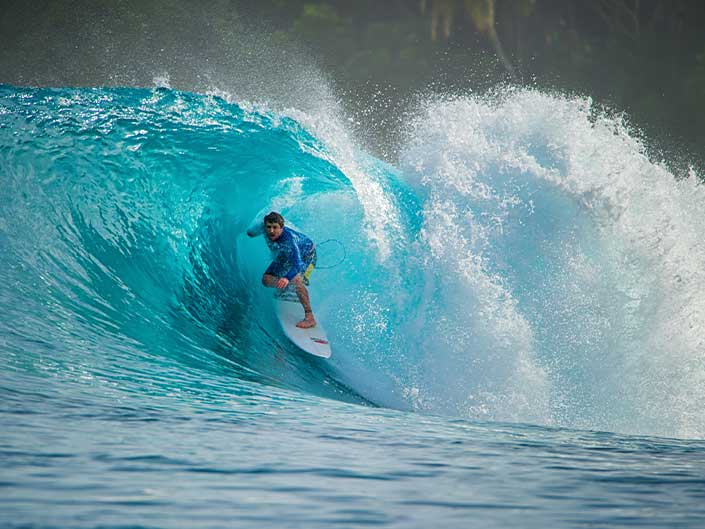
pixel 289 312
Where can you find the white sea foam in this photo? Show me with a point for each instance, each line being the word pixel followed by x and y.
pixel 566 265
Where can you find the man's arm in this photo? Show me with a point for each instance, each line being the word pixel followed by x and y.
pixel 295 259
pixel 255 229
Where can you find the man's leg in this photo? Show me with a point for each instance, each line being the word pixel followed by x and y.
pixel 309 321
pixel 302 292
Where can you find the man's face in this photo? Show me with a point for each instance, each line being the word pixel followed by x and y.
pixel 273 230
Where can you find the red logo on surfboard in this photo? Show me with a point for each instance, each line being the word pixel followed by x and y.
pixel 319 340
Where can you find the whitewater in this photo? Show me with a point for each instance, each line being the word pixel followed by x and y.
pixel 517 320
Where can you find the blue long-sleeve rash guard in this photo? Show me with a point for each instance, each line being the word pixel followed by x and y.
pixel 289 248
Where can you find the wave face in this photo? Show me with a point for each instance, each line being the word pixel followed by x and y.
pixel 526 261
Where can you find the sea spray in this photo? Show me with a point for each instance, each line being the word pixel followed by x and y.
pixel 548 223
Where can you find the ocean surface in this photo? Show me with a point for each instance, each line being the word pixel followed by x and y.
pixel 515 306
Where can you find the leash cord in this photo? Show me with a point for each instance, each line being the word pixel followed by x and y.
pixel 345 254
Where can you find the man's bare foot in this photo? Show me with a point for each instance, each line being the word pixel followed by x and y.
pixel 307 322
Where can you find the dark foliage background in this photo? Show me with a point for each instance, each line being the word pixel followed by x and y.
pixel 642 57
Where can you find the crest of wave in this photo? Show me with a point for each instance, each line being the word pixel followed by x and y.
pixel 564 267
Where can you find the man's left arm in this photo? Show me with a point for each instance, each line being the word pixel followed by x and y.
pixel 296 261
pixel 294 257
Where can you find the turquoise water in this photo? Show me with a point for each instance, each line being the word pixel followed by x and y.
pixel 516 325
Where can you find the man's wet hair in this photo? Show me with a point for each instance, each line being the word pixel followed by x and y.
pixel 272 217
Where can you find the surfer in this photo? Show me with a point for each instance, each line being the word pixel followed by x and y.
pixel 293 260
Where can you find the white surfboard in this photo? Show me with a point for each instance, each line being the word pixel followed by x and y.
pixel 289 311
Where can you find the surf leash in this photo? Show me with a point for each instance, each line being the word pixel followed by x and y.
pixel 345 253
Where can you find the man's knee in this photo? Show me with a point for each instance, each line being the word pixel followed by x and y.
pixel 268 280
pixel 299 283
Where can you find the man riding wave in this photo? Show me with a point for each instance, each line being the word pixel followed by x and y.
pixel 293 260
